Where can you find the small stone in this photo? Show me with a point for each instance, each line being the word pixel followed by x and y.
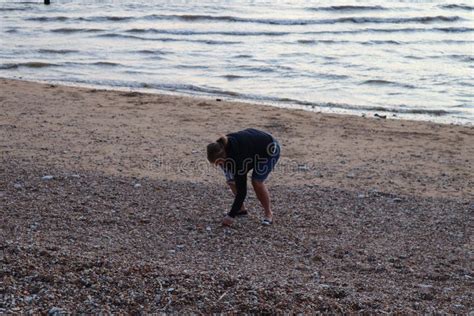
pixel 29 299
pixel 303 168
pixel 46 178
pixel 137 185
pixel 55 311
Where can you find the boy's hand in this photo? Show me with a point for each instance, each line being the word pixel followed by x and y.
pixel 227 221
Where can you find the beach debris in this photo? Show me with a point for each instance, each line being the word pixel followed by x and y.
pixel 361 196
pixel 137 185
pixel 46 178
pixel 75 176
pixel 350 175
pixel 18 186
pixel 218 100
pixel 380 116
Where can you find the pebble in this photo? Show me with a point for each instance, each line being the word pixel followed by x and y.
pixel 55 311
pixel 29 299
pixel 47 178
pixel 303 168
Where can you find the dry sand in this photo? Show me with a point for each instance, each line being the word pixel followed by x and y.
pixel 371 215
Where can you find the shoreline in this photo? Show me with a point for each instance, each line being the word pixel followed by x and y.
pixel 108 205
pixel 368 113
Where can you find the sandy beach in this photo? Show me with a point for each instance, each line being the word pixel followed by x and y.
pixel 108 204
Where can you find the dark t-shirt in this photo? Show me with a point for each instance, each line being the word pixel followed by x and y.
pixel 244 150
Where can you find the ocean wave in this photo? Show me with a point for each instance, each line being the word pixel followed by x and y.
pixel 378 82
pixel 14 9
pixel 31 64
pixel 243 56
pixel 48 18
pixel 344 8
pixel 315 42
pixel 57 51
pixel 106 63
pixel 361 108
pixel 341 42
pixel 397 30
pixel 151 52
pixel 232 77
pixel 219 18
pixel 67 30
pixel 168 39
pixel 458 7
pixel 456 57
pixel 455 29
pixel 189 32
pixel 381 42
pixel 192 88
pixel 354 20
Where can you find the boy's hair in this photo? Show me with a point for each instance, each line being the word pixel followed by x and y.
pixel 216 150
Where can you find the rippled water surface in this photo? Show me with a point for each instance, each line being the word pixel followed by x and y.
pixel 409 59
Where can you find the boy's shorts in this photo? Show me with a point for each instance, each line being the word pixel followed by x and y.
pixel 262 167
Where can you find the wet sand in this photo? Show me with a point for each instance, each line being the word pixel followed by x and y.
pixel 370 214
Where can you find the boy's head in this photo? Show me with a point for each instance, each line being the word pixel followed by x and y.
pixel 216 153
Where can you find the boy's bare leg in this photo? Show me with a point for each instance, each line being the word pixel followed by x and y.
pixel 263 196
pixel 234 191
